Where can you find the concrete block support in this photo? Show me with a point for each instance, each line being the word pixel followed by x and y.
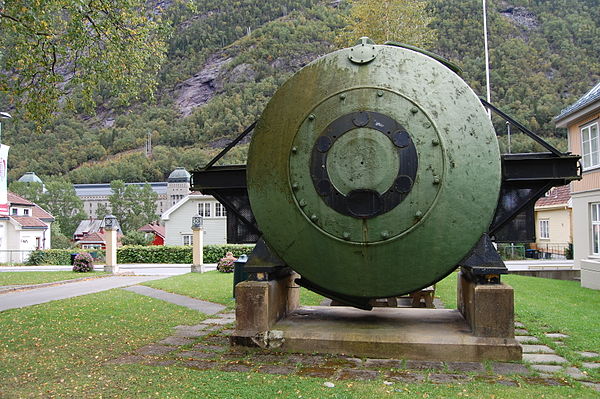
pixel 260 304
pixel 488 309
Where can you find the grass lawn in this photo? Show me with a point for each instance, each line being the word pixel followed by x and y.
pixel 546 305
pixel 215 287
pixel 59 349
pixel 25 278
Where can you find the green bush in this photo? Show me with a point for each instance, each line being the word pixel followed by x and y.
pixel 58 256
pixel 177 254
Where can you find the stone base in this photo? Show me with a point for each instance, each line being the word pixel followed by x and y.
pixel 111 269
pixel 487 308
pixel 419 334
pixel 197 269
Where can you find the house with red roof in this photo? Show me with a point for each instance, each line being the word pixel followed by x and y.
pixel 25 229
pixel 553 229
pixel 154 231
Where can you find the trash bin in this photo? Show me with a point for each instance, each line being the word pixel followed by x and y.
pixel 239 274
pixel 73 256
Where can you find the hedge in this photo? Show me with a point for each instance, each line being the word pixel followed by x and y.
pixel 59 256
pixel 141 254
pixel 177 254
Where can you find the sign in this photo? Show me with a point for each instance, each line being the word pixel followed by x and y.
pixel 3 179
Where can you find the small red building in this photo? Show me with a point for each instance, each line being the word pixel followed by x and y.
pixel 157 231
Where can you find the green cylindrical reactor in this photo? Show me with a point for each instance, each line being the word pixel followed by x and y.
pixel 373 171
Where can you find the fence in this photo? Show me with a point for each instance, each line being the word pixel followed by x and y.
pixel 557 251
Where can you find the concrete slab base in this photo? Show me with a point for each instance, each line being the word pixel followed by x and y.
pixel 420 334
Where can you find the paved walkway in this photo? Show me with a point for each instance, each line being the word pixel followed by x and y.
pixel 181 300
pixel 35 296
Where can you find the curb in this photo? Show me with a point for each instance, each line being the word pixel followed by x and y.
pixel 61 282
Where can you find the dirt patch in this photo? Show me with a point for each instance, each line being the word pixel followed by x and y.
pixel 320 372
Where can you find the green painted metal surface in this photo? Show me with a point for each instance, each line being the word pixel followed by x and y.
pixel 420 240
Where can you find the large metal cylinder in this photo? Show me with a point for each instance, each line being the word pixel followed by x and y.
pixel 373 171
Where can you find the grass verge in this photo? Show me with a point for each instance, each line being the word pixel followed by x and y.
pixel 27 278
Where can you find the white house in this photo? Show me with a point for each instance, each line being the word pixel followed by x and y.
pixel 25 229
pixel 178 220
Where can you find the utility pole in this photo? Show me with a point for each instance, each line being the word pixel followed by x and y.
pixel 487 58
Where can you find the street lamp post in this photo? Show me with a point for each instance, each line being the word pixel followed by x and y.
pixel 197 244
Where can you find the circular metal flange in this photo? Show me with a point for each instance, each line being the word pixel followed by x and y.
pixel 389 156
pixel 360 164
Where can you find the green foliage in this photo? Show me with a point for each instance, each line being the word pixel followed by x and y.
pixel 57 239
pixel 57 256
pixel 135 237
pixel 177 254
pixel 406 21
pixel 59 199
pixel 79 51
pixel 83 263
pixel 537 68
pixel 132 205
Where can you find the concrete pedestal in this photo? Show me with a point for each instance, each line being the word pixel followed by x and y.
pixel 267 315
pixel 259 305
pixel 590 274
pixel 197 250
pixel 111 265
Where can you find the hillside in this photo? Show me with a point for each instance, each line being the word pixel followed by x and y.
pixel 224 65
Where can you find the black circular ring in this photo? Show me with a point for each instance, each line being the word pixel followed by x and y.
pixel 364 203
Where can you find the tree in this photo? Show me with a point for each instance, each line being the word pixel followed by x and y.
pixel 59 199
pixel 81 49
pixel 405 21
pixel 135 237
pixel 63 203
pixel 132 205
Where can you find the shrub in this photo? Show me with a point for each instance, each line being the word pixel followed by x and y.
pixel 177 254
pixel 225 264
pixel 57 256
pixel 83 263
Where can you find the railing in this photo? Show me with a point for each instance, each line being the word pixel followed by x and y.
pixel 557 251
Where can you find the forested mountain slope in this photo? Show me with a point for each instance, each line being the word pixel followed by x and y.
pixel 227 58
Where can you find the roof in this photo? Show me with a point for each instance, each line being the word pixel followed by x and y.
pixel 103 189
pixel 88 226
pixel 41 213
pixel 557 196
pixel 15 199
pixel 197 196
pixel 587 99
pixel 30 177
pixel 28 221
pixel 94 237
pixel 179 175
pixel 153 228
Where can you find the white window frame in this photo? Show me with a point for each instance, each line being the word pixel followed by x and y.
pixel 590 137
pixel 544 228
pixel 595 227
pixel 204 209
pixel 220 211
pixel 187 239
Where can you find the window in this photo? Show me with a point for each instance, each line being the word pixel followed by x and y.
pixel 25 212
pixel 590 146
pixel 544 229
pixel 596 228
pixel 204 209
pixel 220 211
pixel 188 239
pixel 14 211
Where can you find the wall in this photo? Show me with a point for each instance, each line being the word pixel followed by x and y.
pixel 560 226
pixel 180 223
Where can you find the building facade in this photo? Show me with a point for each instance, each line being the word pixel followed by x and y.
pixel 178 220
pixel 553 227
pixel 168 193
pixel 582 122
